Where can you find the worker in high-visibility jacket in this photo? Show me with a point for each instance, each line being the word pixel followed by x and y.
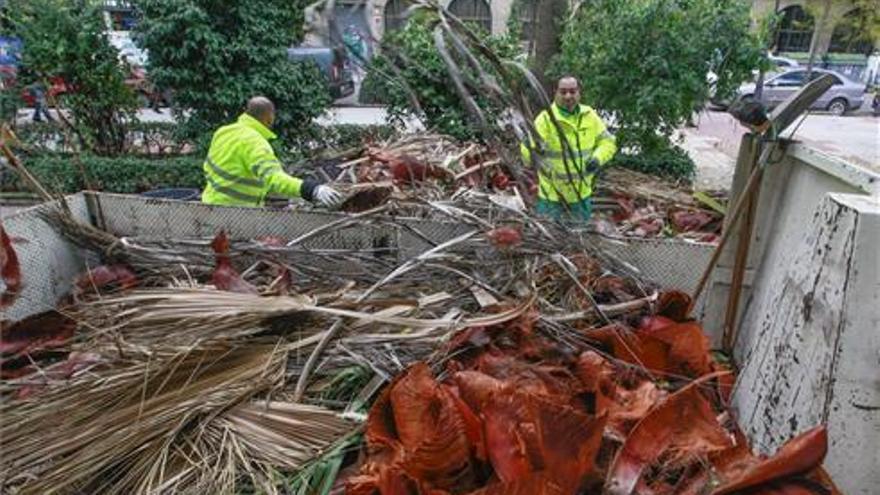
pixel 566 173
pixel 241 168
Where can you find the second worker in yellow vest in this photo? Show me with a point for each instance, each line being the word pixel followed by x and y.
pixel 566 172
pixel 241 168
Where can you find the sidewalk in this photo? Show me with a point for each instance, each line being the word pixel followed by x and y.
pixel 714 143
pixel 358 115
pixel 713 155
pixel 353 115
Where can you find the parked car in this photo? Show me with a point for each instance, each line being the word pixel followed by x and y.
pixel 332 63
pixel 130 56
pixel 147 92
pixel 843 96
pixel 56 89
pixel 782 63
pixel 8 76
pixel 129 52
pixel 779 65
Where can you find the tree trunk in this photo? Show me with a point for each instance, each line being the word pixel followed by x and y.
pixel 532 9
pixel 817 32
pixel 759 84
pixel 548 31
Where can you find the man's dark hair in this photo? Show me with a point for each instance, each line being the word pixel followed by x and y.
pixel 569 76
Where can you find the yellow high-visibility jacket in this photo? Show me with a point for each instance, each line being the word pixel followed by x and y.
pixel 566 178
pixel 241 168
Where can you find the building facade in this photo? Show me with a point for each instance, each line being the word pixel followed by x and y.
pixel 801 21
pixel 804 20
pixel 374 18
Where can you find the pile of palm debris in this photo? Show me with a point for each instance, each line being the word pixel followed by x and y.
pixel 513 412
pixel 633 204
pixel 429 166
pixel 517 358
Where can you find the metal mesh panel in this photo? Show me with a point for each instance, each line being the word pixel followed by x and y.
pixel 671 263
pixel 49 263
pixel 668 262
pixel 135 216
pixel 413 236
pixel 146 217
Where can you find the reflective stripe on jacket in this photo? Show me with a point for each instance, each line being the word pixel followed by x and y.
pixel 565 178
pixel 241 167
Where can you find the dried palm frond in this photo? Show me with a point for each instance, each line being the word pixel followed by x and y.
pixel 251 442
pixel 186 315
pixel 119 431
pixel 320 477
pixel 284 435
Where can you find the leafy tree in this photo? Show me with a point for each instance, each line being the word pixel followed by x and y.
pixel 549 20
pixel 645 62
pixel 214 55
pixel 865 25
pixel 858 30
pixel 409 58
pixel 67 39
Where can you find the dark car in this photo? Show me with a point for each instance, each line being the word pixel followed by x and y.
pixel 331 62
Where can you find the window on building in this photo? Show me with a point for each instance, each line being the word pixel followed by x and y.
pixel 852 35
pixel 474 11
pixel 795 30
pixel 395 14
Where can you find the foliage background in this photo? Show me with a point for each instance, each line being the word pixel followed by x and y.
pixel 214 55
pixel 67 39
pixel 413 51
pixel 644 63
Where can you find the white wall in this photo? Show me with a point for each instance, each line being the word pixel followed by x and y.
pixel 811 349
pixel 809 337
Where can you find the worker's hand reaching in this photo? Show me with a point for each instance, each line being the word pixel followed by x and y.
pixel 327 196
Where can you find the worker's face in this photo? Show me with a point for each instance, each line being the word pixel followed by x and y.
pixel 269 119
pixel 568 93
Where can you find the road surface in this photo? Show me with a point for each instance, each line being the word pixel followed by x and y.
pixel 359 115
pixel 714 142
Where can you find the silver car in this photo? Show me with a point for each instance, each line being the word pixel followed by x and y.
pixel 843 96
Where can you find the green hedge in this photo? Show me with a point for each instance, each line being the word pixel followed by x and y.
pixel 135 174
pixel 60 173
pixel 46 137
pixel 49 137
pixel 349 135
pixel 673 163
